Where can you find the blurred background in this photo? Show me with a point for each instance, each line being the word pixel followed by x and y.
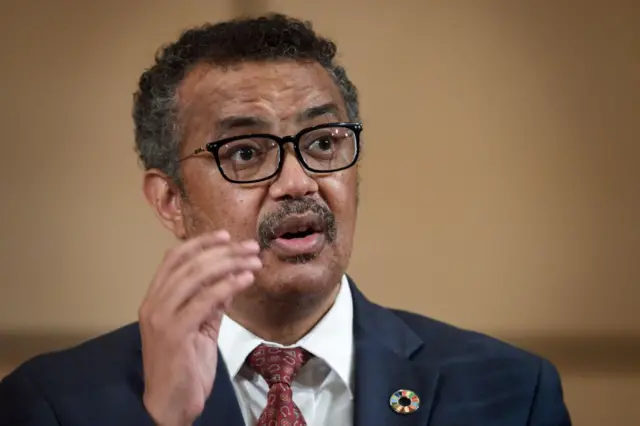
pixel 501 186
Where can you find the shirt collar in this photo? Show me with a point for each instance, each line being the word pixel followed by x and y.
pixel 331 339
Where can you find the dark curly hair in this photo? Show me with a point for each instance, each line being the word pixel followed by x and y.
pixel 271 37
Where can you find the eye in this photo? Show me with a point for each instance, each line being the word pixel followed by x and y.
pixel 243 154
pixel 245 151
pixel 322 144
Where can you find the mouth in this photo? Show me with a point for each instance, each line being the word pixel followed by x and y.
pixel 299 235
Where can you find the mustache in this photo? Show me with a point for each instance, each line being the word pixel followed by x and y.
pixel 296 206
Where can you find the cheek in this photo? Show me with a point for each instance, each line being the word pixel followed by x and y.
pixel 239 210
pixel 219 204
pixel 340 193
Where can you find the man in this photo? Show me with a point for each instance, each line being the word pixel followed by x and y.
pixel 249 134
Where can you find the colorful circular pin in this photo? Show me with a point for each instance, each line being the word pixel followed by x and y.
pixel 404 401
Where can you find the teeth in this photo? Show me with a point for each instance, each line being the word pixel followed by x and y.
pixel 301 228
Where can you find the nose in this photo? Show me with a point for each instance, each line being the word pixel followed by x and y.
pixel 293 180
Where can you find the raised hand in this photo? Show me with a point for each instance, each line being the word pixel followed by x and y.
pixel 180 319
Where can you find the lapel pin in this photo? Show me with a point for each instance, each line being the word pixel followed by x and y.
pixel 404 401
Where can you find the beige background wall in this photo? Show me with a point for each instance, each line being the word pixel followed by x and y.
pixel 501 189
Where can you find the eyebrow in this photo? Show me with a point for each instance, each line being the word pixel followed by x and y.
pixel 314 112
pixel 240 121
pixel 250 121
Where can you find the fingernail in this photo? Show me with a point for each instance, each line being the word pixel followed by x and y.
pixel 251 244
pixel 245 277
pixel 222 234
pixel 254 261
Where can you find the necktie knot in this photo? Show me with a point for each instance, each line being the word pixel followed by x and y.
pixel 277 365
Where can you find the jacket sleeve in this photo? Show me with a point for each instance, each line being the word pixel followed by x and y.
pixel 548 408
pixel 22 405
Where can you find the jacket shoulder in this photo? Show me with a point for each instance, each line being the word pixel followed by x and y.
pixel 105 356
pixel 98 382
pixel 450 343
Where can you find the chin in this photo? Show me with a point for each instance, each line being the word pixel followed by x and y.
pixel 305 274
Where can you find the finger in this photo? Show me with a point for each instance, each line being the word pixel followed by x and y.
pixel 210 270
pixel 193 246
pixel 180 254
pixel 211 325
pixel 205 260
pixel 204 306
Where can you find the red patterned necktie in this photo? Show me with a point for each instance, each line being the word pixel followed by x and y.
pixel 278 367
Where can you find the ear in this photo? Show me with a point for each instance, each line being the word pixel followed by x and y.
pixel 163 195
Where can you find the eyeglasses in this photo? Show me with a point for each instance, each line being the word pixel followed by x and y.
pixel 325 148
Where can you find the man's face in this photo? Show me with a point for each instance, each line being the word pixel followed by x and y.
pixel 279 98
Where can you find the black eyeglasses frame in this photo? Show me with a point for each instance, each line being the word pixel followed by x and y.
pixel 214 148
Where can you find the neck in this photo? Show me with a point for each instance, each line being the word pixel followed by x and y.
pixel 281 319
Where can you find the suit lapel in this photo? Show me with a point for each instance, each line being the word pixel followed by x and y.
pixel 222 405
pixel 384 346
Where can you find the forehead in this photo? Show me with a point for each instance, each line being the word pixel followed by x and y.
pixel 274 90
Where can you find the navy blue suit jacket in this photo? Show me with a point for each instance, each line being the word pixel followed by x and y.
pixel 462 379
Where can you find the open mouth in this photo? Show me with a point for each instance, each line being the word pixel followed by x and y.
pixel 298 235
pixel 294 227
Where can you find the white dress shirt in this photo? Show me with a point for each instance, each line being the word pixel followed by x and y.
pixel 323 389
